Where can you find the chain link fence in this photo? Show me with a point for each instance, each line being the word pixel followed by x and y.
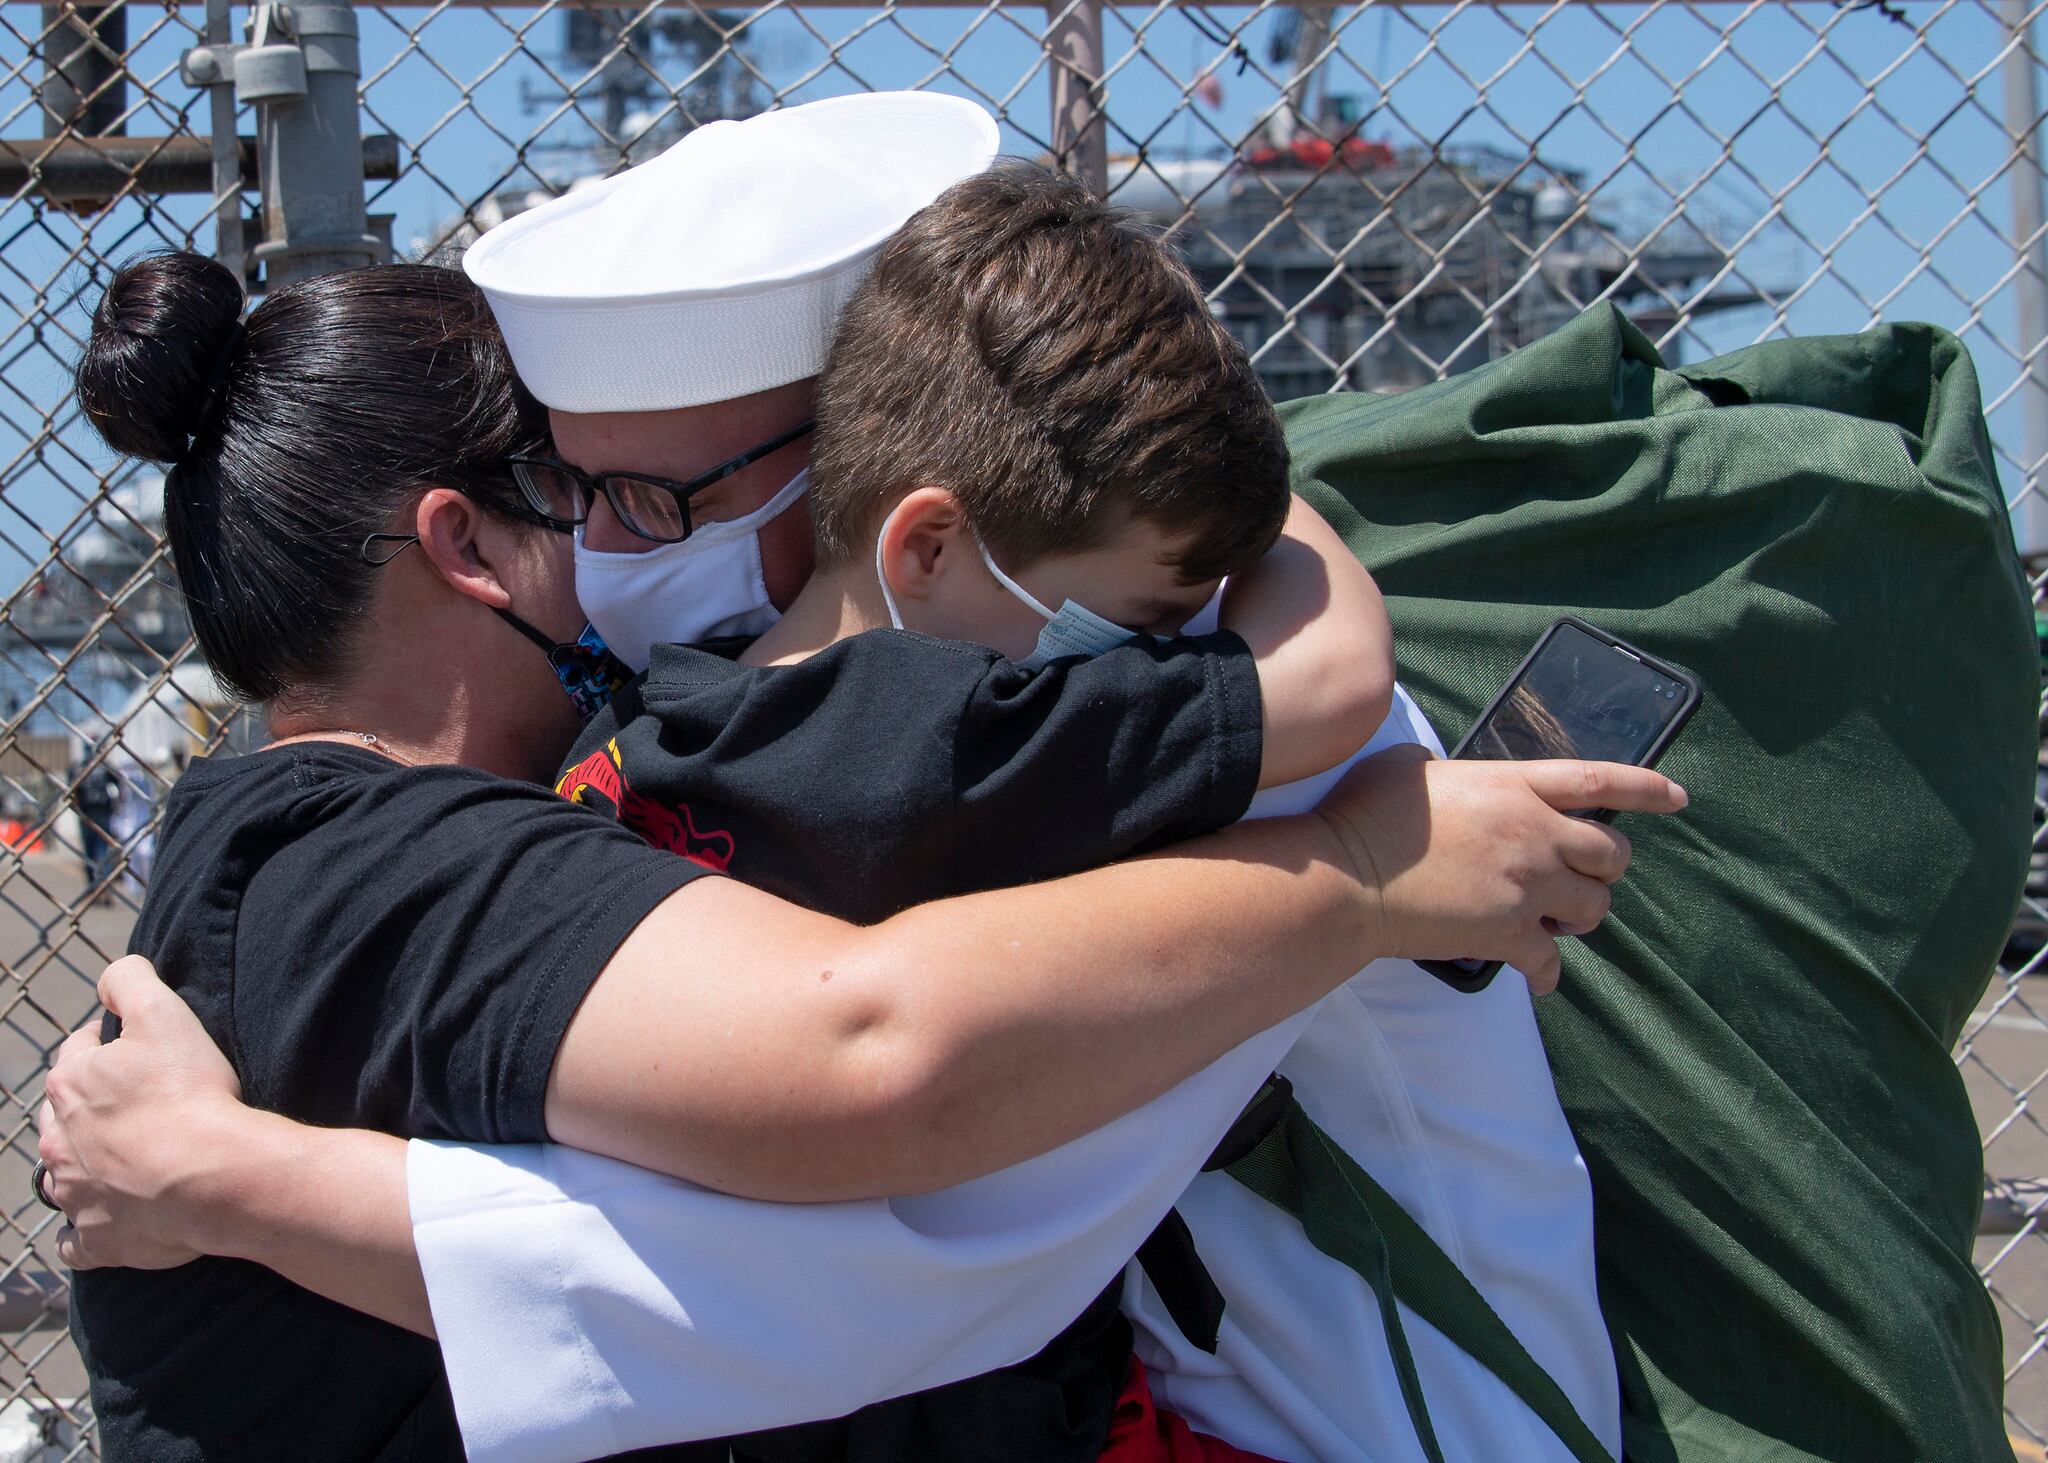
pixel 1375 195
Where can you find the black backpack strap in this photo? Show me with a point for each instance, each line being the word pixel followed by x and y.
pixel 1169 1257
pixel 1176 1271
pixel 1260 1116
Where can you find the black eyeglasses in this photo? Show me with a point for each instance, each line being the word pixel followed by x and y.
pixel 651 507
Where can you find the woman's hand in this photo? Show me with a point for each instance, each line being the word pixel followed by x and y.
pixel 1480 859
pixel 129 1128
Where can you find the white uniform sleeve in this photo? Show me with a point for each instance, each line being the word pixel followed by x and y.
pixel 586 1307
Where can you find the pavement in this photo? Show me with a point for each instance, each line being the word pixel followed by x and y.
pixel 2005 1061
pixel 51 960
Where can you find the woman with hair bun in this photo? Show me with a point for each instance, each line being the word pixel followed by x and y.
pixel 380 380
pixel 305 447
pixel 388 922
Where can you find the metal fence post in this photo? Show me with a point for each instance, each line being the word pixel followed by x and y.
pixel 1073 50
pixel 300 69
pixel 225 143
pixel 2030 285
pixel 85 76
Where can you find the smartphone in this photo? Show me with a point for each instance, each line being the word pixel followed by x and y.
pixel 1580 693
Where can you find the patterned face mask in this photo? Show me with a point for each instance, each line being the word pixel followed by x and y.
pixel 588 671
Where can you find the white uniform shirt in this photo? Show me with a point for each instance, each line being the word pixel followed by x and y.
pixel 586 1307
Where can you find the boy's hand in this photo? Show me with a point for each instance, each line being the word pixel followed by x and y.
pixel 1479 859
pixel 127 1125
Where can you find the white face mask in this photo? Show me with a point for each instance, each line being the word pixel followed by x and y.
pixel 1073 630
pixel 709 585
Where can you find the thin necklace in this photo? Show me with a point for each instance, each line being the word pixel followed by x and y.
pixel 369 739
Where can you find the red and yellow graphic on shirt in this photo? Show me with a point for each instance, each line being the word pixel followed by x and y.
pixel 604 773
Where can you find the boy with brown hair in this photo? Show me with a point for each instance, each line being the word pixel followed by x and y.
pixel 1038 456
pixel 1051 364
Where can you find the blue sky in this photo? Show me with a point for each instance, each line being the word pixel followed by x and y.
pixel 1762 85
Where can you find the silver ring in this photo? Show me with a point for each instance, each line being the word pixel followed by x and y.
pixel 35 1181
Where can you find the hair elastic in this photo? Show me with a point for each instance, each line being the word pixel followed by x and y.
pixel 216 384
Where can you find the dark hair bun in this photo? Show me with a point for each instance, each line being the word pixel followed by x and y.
pixel 156 336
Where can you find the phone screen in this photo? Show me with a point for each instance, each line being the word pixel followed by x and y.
pixel 1577 696
pixel 1580 697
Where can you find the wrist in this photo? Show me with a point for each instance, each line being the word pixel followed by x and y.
pixel 1348 855
pixel 224 1203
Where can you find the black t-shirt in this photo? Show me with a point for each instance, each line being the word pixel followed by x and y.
pixel 891 769
pixel 373 946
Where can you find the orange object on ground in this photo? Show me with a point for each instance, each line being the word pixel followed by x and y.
pixel 16 835
pixel 1142 1432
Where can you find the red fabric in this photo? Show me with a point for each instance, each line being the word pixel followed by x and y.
pixel 1141 1432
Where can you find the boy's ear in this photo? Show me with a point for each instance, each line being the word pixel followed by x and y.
pixel 925 538
pixel 462 544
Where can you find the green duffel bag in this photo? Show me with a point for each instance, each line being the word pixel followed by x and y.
pixel 1754 1049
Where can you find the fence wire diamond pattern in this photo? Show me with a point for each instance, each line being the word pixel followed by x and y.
pixel 1374 195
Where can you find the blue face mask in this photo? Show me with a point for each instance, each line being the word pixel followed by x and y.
pixel 1076 630
pixel 1073 630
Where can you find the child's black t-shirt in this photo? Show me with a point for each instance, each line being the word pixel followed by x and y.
pixel 892 769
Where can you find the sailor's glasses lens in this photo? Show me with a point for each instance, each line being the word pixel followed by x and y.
pixel 551 491
pixel 650 510
pixel 560 494
pixel 651 507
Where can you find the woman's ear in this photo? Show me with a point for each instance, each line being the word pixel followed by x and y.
pixel 463 545
pixel 925 540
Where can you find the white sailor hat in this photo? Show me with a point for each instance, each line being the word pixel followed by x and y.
pixel 719 268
